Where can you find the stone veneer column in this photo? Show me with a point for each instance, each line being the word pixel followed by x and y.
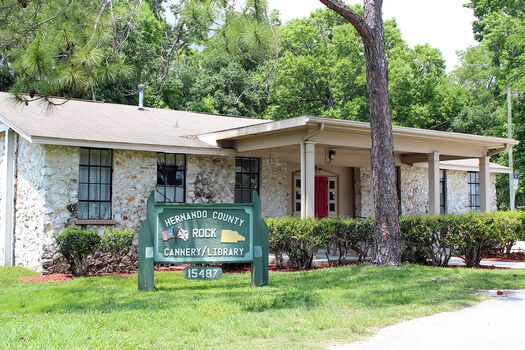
pixel 274 187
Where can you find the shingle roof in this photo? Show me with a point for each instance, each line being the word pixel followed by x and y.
pixel 79 120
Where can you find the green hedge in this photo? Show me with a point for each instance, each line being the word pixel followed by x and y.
pixel 426 239
pixel 76 244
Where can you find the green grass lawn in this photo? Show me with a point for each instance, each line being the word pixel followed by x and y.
pixel 302 310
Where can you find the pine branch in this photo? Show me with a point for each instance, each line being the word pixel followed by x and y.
pixel 357 21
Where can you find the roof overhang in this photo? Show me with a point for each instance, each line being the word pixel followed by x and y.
pixel 355 134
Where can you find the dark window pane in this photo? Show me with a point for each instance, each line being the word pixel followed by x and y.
pixel 254 182
pixel 94 157
pixel 179 194
pixel 105 192
pixel 160 194
pixel 84 156
pixel 170 194
pixel 170 160
pixel 246 196
pixel 297 194
pixel 94 192
pixel 161 176
pixel 171 178
pixel 105 175
pixel 180 161
pixel 332 207
pixel 238 196
pixel 84 174
pixel 245 181
pixel 238 181
pixel 298 206
pixel 332 196
pixel 298 183
pixel 161 159
pixel 94 175
pixel 83 192
pixel 105 211
pixel 254 165
pixel 105 157
pixel 179 179
pixel 83 210
pixel 94 210
pixel 332 185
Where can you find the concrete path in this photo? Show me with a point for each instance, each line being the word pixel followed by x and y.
pixel 507 264
pixel 491 325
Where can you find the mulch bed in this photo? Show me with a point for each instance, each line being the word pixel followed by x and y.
pixel 514 257
pixel 47 278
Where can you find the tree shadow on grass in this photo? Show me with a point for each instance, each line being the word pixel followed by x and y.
pixel 359 287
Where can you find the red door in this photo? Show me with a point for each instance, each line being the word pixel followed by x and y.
pixel 321 196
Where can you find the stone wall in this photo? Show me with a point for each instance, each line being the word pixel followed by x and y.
pixel 364 192
pixel 134 178
pixel 457 191
pixel 30 236
pixel 210 179
pixel 414 190
pixel 274 187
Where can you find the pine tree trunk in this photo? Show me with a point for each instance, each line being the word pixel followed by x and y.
pixel 387 236
pixel 387 233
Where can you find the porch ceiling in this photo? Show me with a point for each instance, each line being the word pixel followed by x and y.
pixel 353 138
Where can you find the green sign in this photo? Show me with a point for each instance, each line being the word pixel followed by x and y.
pixel 202 273
pixel 203 233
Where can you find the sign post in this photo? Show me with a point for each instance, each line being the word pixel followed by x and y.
pixel 203 234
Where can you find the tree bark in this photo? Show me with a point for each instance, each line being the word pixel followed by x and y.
pixel 387 236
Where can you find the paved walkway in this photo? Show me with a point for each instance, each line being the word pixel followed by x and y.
pixel 496 324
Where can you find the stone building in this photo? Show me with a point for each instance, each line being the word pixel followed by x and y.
pixel 94 164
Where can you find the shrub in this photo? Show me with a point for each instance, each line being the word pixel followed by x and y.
pixel 301 239
pixel 426 238
pixel 117 242
pixel 349 234
pixel 475 235
pixel 75 245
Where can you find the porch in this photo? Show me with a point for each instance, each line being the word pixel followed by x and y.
pixel 328 163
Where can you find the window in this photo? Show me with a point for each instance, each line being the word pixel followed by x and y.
pixel 246 178
pixel 443 191
pixel 171 178
pixel 473 193
pixel 94 192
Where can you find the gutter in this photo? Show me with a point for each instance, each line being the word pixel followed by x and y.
pixel 314 133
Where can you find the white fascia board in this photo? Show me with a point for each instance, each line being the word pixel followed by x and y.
pixel 424 133
pixel 135 147
pixel 493 169
pixel 270 126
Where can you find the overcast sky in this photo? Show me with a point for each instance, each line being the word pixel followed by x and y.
pixel 444 24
